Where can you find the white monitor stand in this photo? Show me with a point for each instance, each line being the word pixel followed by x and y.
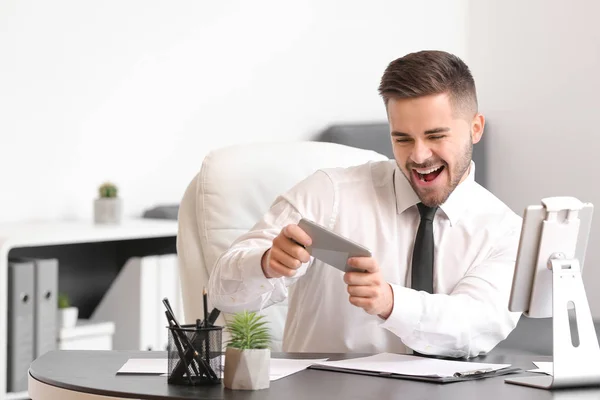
pixel 548 283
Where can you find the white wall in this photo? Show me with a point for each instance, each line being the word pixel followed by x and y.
pixel 537 65
pixel 138 91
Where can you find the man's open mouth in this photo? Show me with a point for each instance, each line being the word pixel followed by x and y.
pixel 427 175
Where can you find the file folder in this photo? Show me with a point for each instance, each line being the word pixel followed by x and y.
pixel 20 324
pixel 400 366
pixel 45 306
pixel 433 379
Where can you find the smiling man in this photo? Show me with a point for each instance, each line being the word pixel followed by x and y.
pixel 443 247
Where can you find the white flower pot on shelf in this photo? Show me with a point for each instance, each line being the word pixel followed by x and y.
pixel 67 317
pixel 108 210
pixel 247 369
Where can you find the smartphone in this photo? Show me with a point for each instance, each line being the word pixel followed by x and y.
pixel 330 247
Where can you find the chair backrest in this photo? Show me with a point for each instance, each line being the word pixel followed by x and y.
pixel 235 186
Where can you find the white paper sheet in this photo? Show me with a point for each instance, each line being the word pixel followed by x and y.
pixel 543 367
pixel 145 366
pixel 411 365
pixel 280 367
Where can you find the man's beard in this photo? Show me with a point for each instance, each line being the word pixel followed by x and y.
pixel 439 196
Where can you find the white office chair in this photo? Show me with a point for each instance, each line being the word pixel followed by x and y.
pixel 234 188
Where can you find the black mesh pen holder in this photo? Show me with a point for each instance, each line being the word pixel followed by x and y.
pixel 194 355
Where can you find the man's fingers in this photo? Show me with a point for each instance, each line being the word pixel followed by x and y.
pixel 295 250
pixel 367 264
pixel 285 259
pixel 360 279
pixel 362 291
pixel 296 234
pixel 290 248
pixel 277 269
pixel 366 304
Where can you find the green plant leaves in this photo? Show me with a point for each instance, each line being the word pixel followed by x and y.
pixel 108 189
pixel 63 301
pixel 248 330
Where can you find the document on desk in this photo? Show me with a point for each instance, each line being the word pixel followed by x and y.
pixel 413 367
pixel 543 367
pixel 144 366
pixel 280 367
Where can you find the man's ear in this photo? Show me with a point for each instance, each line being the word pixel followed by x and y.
pixel 477 126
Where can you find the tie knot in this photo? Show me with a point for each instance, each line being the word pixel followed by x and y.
pixel 427 213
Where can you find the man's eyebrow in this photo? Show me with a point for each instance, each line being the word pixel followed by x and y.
pixel 427 132
pixel 437 130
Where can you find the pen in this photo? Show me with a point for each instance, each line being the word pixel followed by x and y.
pixel 205 300
pixel 473 372
pixel 212 317
pixel 178 333
pixel 179 347
pixel 179 330
pixel 207 333
pixel 168 307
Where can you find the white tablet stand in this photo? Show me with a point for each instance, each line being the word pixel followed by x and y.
pixel 576 354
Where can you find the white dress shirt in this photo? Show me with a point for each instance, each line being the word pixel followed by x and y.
pixel 476 238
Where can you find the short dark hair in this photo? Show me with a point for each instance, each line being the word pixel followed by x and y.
pixel 430 72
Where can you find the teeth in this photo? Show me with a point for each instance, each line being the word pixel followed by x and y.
pixel 428 171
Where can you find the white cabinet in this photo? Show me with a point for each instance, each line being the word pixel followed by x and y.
pixel 100 251
pixel 87 335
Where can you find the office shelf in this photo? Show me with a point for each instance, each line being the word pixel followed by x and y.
pixel 17 396
pixel 79 244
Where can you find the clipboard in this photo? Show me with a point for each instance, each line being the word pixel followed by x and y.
pixel 423 378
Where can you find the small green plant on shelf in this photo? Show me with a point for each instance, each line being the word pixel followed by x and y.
pixel 67 314
pixel 108 190
pixel 108 207
pixel 248 330
pixel 63 301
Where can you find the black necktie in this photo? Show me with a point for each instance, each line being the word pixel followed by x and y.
pixel 422 262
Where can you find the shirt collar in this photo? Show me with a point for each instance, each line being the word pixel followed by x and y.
pixel 454 205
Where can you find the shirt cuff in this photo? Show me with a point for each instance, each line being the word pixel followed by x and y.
pixel 407 312
pixel 253 275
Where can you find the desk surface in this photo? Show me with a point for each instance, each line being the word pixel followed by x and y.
pixel 94 372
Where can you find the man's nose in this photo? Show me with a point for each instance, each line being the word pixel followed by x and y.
pixel 421 152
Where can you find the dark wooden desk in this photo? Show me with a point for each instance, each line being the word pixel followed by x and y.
pixel 92 375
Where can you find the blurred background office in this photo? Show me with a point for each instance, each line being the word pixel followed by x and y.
pixel 138 91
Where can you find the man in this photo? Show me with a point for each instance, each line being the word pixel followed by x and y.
pixel 443 247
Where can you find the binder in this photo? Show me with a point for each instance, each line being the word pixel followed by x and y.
pixel 148 304
pixel 45 306
pixel 168 281
pixel 20 324
pixel 133 302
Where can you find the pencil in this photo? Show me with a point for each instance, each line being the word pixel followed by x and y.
pixel 205 300
pixel 206 332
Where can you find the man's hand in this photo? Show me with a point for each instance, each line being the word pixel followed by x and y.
pixel 368 290
pixel 287 253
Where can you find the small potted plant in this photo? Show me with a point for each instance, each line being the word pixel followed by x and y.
pixel 247 356
pixel 67 314
pixel 108 207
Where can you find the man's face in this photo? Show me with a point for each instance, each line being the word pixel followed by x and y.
pixel 432 144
